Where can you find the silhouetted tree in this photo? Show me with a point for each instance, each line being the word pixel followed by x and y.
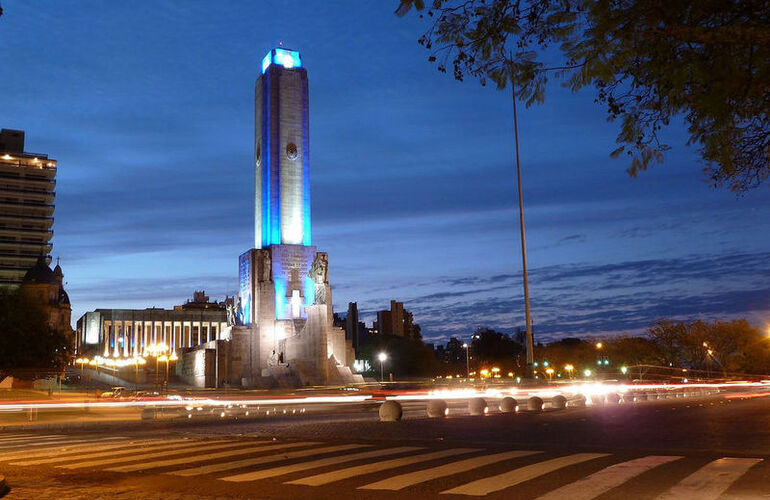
pixel 724 346
pixel 489 347
pixel 29 347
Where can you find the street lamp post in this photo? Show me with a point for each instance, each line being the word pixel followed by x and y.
pixel 467 361
pixel 382 357
pixel 164 359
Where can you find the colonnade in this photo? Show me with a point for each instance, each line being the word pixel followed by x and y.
pixel 134 338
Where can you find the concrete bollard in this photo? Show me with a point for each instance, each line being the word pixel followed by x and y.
pixel 438 408
pixel 477 406
pixel 535 404
pixel 597 399
pixel 509 405
pixel 558 402
pixel 577 400
pixel 640 396
pixel 613 398
pixel 390 411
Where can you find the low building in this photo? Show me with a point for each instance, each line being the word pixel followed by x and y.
pixel 130 332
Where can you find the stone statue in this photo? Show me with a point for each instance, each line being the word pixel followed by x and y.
pixel 319 272
pixel 265 264
pixel 231 313
pixel 239 312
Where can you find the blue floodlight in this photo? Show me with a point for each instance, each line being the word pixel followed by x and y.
pixel 287 58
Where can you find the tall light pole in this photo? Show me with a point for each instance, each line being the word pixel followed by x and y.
pixel 528 315
pixel 467 361
pixel 382 357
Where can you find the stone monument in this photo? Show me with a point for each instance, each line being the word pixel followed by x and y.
pixel 287 334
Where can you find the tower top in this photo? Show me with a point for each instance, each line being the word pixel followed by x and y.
pixel 282 57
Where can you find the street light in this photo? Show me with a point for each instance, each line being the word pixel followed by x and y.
pixel 467 361
pixel 382 357
pixel 164 359
pixel 549 371
pixel 569 369
pixel 599 345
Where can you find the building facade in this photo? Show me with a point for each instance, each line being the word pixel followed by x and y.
pixel 398 322
pixel 27 191
pixel 130 332
pixel 46 288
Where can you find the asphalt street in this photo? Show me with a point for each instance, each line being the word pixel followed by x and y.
pixel 697 448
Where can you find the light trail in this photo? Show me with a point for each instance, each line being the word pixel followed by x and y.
pixel 587 389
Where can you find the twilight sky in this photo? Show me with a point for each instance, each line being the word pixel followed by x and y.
pixel 148 108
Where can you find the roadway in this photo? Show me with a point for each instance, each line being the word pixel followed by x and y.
pixel 703 447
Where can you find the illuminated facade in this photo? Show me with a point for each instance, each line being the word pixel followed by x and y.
pixel 27 182
pixel 124 333
pixel 281 152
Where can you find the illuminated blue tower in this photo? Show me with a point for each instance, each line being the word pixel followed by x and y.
pixel 281 152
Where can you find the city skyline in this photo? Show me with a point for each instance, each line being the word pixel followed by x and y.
pixel 413 187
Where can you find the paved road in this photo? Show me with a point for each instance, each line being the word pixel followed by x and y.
pixel 322 457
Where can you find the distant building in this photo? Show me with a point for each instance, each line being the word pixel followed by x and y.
pixel 27 182
pixel 129 332
pixel 397 321
pixel 355 330
pixel 201 301
pixel 46 288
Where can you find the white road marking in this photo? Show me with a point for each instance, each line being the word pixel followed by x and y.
pixel 711 480
pixel 487 485
pixel 26 437
pixel 360 470
pixel 177 443
pixel 71 447
pixel 163 453
pixel 288 469
pixel 257 447
pixel 33 444
pixel 606 479
pixel 400 482
pixel 238 464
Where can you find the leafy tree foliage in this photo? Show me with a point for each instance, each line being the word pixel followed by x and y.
pixel 491 347
pixel 726 346
pixel 406 357
pixel 29 347
pixel 649 61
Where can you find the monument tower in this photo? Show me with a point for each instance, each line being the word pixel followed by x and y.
pixel 285 296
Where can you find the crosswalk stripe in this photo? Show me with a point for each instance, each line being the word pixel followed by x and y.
pixel 32 444
pixel 409 479
pixel 27 449
pixel 178 443
pixel 487 485
pixel 711 480
pixel 144 456
pixel 17 438
pixel 360 470
pixel 611 477
pixel 288 469
pixel 67 448
pixel 238 464
pixel 258 447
